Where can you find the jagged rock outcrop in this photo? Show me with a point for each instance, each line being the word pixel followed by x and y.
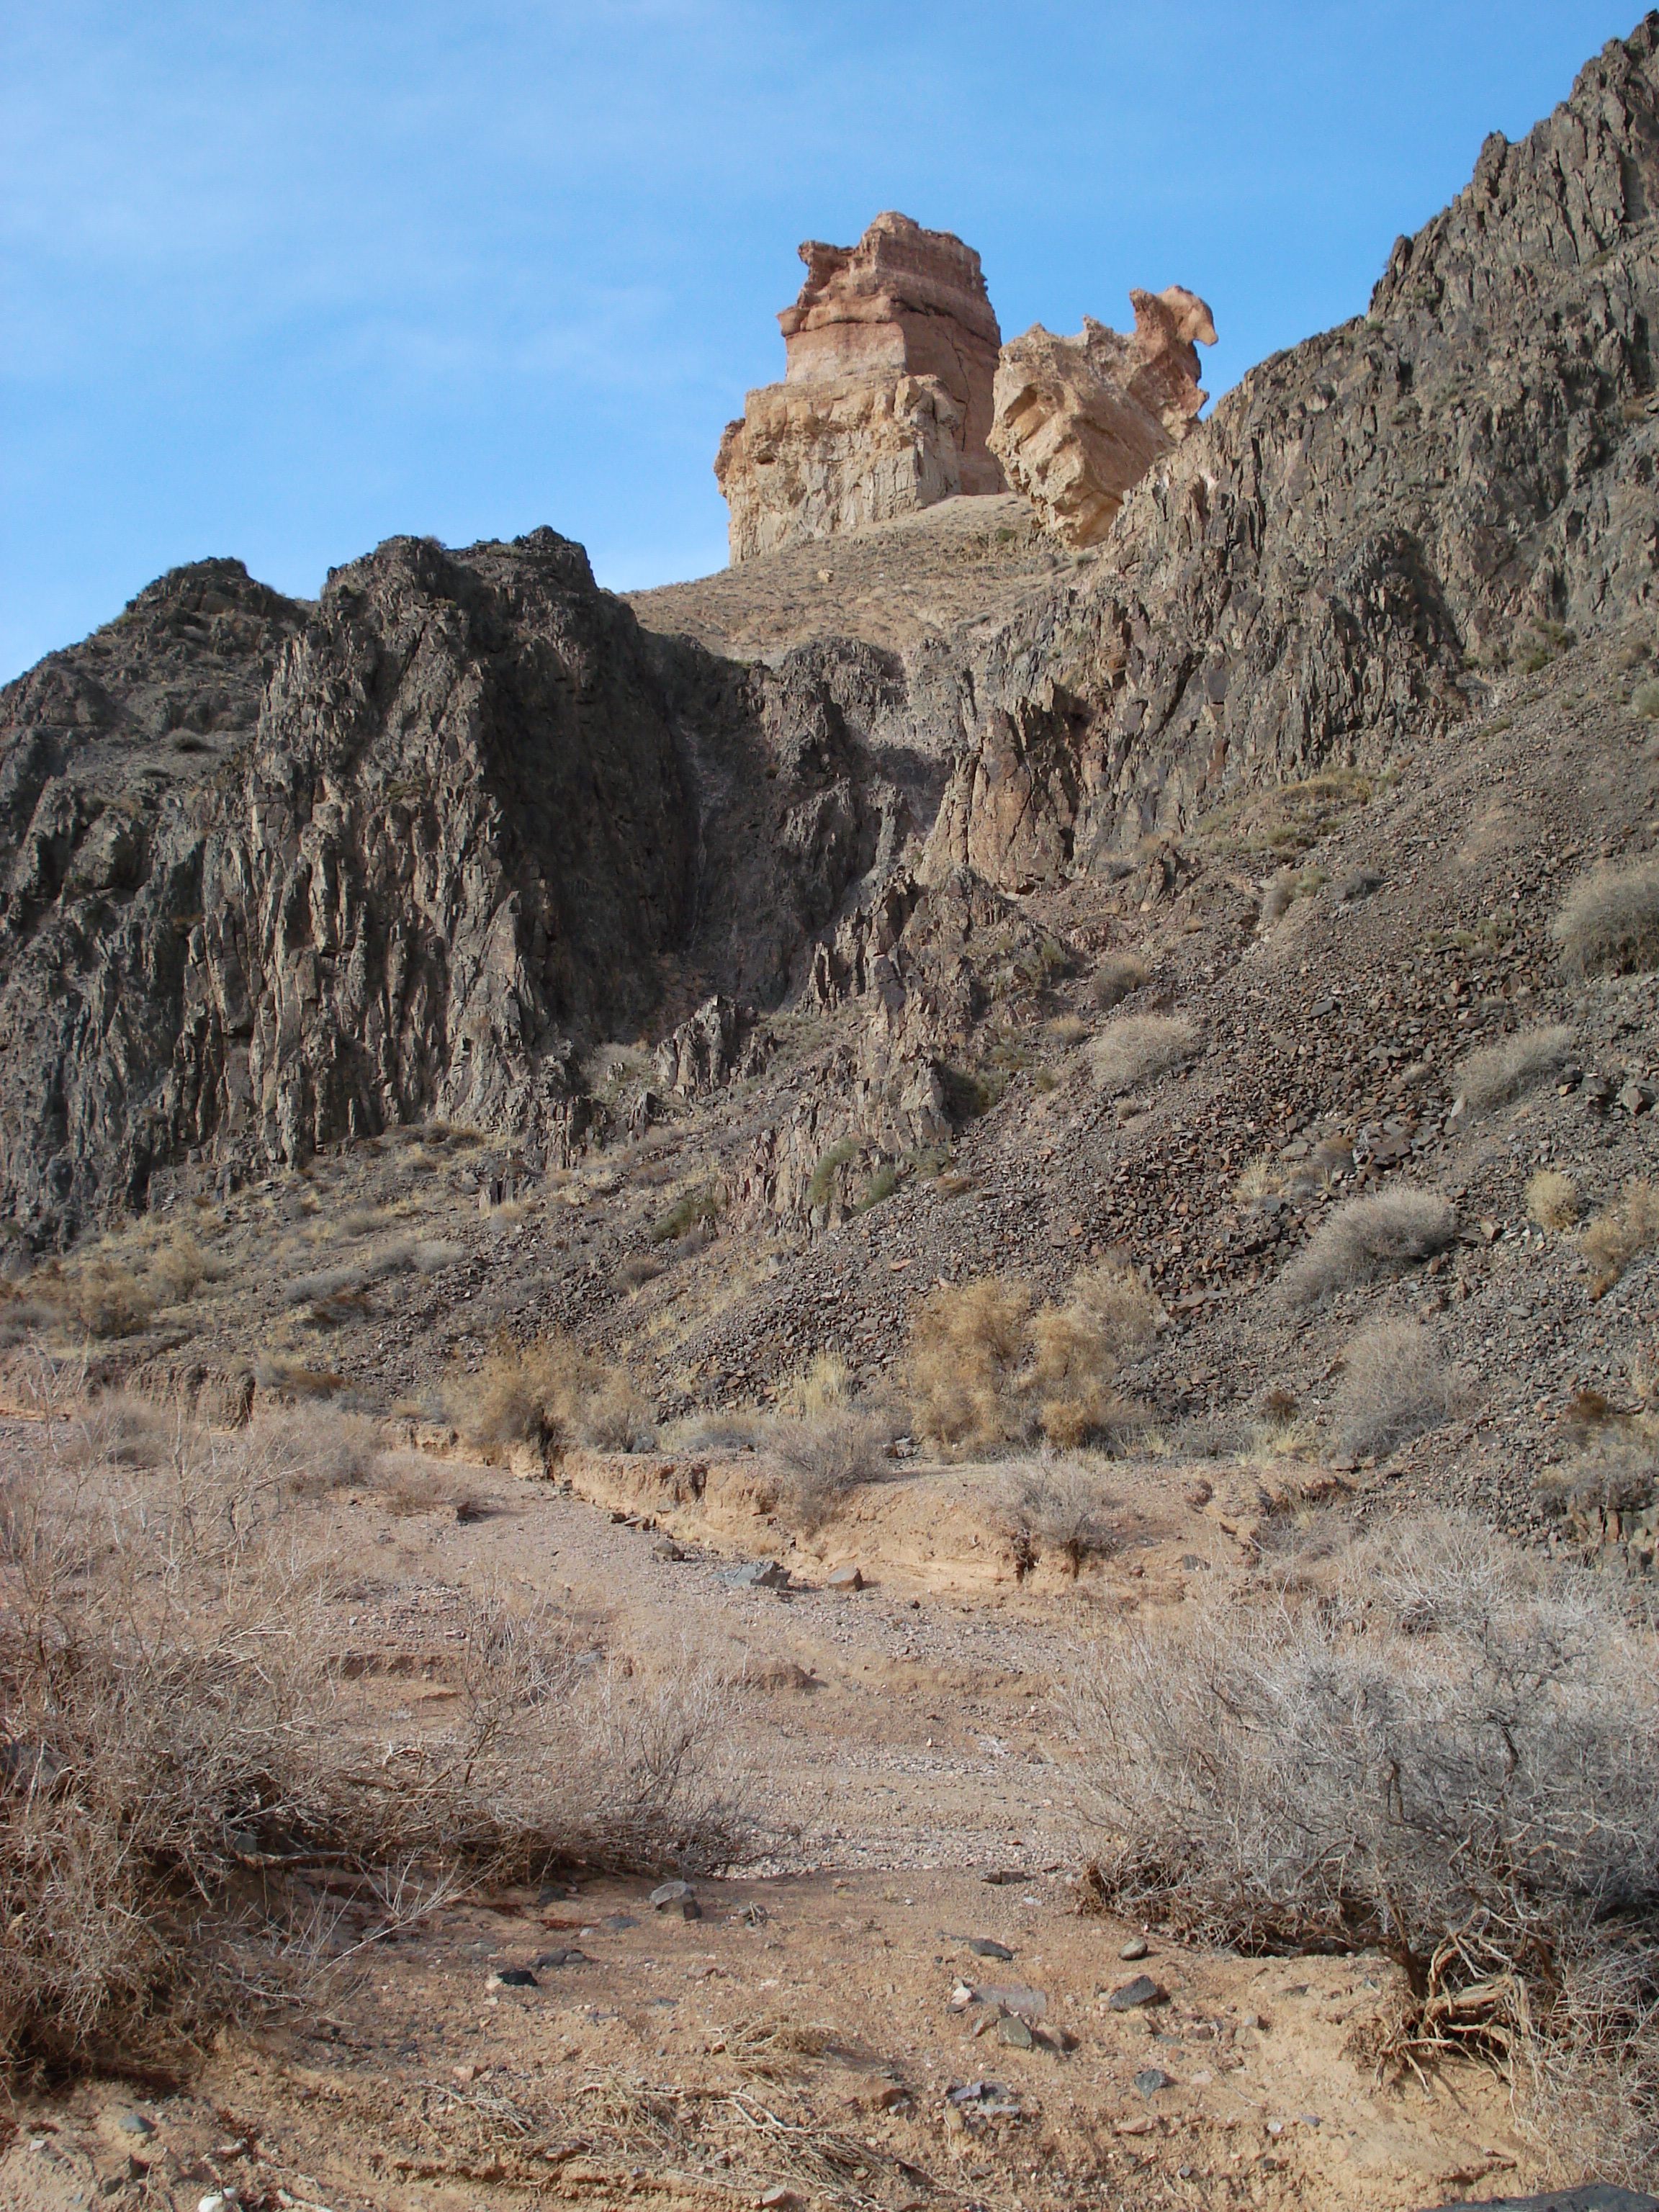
pixel 1079 421
pixel 886 405
pixel 1364 533
pixel 279 875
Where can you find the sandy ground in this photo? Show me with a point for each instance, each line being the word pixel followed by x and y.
pixel 810 2031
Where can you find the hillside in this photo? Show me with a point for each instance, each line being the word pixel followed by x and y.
pixel 806 1064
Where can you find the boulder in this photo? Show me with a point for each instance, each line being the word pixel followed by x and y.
pixel 886 400
pixel 1079 421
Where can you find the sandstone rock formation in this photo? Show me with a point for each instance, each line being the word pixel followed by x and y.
pixel 886 404
pixel 1079 421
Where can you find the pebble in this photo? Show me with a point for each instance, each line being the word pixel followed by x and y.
pixel 848 1578
pixel 134 2124
pixel 1013 2031
pixel 1136 1947
pixel 982 1947
pixel 511 1977
pixel 1152 2079
pixel 1143 1990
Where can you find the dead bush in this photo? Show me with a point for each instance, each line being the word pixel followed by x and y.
pixel 1394 1386
pixel 1609 925
pixel 1388 1229
pixel 822 1457
pixel 965 1346
pixel 1061 1505
pixel 1077 1349
pixel 1137 1046
pixel 1615 1238
pixel 1118 975
pixel 311 1448
pixel 179 1758
pixel 1433 1743
pixel 1552 1199
pixel 107 1298
pixel 1501 1071
pixel 549 1395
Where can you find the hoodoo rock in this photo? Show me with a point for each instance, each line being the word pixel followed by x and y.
pixel 889 356
pixel 1079 421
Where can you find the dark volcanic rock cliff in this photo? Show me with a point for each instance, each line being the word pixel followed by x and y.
pixel 1370 522
pixel 281 875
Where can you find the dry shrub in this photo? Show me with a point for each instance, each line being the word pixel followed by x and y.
pixel 1394 1386
pixel 1063 1505
pixel 311 1448
pixel 1389 1229
pixel 1609 925
pixel 179 1267
pixel 549 1395
pixel 821 1458
pixel 1501 1071
pixel 1613 1238
pixel 106 1298
pixel 1434 1743
pixel 1552 1199
pixel 966 1343
pixel 1137 1046
pixel 983 1369
pixel 179 1762
pixel 1118 975
pixel 1077 1349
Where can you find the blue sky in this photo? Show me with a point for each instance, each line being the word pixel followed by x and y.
pixel 283 281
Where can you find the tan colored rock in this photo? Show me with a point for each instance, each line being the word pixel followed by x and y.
pixel 890 352
pixel 1079 421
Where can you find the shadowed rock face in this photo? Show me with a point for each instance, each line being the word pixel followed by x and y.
pixel 280 875
pixel 886 404
pixel 1079 421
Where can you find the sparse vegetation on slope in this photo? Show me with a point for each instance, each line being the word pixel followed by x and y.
pixel 1609 925
pixel 1365 1236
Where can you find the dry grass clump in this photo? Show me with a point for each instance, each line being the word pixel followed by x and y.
pixel 1433 1743
pixel 1077 1349
pixel 1395 1386
pixel 1612 1238
pixel 983 1369
pixel 823 1445
pixel 1552 1199
pixel 549 1395
pixel 1118 975
pixel 1609 925
pixel 181 1768
pixel 1137 1046
pixel 1388 1229
pixel 1498 1072
pixel 967 1340
pixel 1061 1505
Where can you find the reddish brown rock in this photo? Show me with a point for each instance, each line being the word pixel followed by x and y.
pixel 1079 421
pixel 890 352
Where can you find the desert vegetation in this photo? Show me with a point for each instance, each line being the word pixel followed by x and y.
pixel 983 1369
pixel 1060 1505
pixel 1117 976
pixel 548 1395
pixel 1609 923
pixel 1552 1199
pixel 1395 1385
pixel 1364 1237
pixel 185 1783
pixel 1612 1238
pixel 1134 1047
pixel 1428 1741
pixel 823 1443
pixel 1502 1072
